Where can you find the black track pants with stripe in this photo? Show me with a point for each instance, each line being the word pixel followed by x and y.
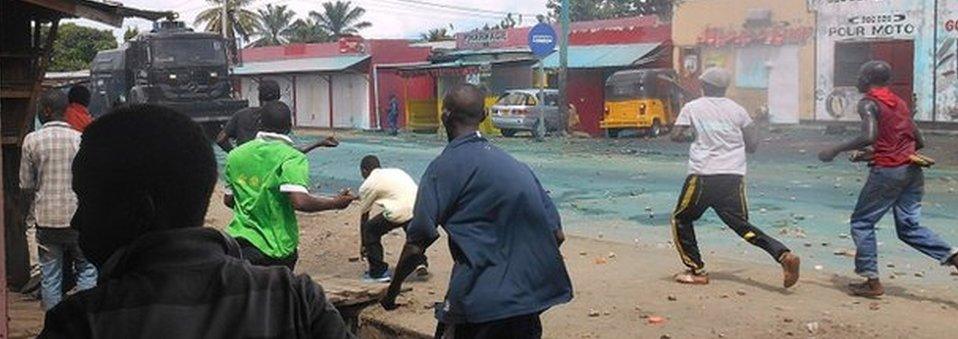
pixel 726 195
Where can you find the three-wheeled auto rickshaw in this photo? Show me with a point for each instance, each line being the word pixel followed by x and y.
pixel 645 99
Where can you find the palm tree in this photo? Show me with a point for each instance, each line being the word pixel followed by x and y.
pixel 274 25
pixel 306 31
pixel 340 18
pixel 437 34
pixel 240 21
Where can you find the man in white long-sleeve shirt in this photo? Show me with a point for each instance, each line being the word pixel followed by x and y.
pixel 394 192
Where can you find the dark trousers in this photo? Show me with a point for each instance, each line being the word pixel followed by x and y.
pixel 258 258
pixel 372 235
pixel 521 327
pixel 726 195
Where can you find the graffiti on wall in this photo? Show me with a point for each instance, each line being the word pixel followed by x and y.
pixel 946 62
pixel 776 35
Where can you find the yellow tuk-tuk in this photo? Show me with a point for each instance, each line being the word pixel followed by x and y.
pixel 644 99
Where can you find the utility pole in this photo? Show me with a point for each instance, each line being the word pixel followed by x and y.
pixel 564 63
pixel 223 21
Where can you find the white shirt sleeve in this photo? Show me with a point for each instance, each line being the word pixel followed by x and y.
pixel 684 118
pixel 368 193
pixel 743 118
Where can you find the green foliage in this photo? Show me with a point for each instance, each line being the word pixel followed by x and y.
pixel 340 18
pixel 240 21
pixel 306 31
pixel 274 24
pixel 130 33
pixel 585 10
pixel 437 34
pixel 75 46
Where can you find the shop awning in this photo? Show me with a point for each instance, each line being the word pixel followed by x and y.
pixel 306 65
pixel 600 56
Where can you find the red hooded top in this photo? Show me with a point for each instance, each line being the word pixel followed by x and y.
pixel 895 143
pixel 78 117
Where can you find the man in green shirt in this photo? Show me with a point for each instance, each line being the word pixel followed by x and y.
pixel 268 179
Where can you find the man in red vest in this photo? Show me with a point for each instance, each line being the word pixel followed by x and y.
pixel 77 115
pixel 895 181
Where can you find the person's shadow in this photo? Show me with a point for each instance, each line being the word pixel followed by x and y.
pixel 734 276
pixel 840 283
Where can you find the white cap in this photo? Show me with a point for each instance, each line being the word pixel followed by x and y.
pixel 717 76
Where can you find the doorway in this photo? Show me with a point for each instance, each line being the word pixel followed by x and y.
pixel 849 57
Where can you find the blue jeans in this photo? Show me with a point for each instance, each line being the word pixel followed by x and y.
pixel 899 189
pixel 51 271
pixel 392 119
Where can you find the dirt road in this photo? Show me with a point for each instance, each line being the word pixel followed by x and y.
pixel 618 287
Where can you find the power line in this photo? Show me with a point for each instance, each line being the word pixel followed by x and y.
pixel 448 11
pixel 462 8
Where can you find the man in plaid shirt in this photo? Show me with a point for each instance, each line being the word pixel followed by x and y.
pixel 46 176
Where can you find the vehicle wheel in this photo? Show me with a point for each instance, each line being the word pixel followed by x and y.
pixel 613 132
pixel 656 129
pixel 508 133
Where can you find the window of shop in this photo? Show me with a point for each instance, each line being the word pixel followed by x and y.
pixel 849 57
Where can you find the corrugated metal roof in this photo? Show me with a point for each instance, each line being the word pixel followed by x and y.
pixel 308 65
pixel 599 56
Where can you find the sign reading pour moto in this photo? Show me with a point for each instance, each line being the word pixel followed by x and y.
pixel 542 40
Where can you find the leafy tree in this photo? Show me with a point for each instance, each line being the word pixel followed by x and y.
pixel 306 31
pixel 437 34
pixel 340 18
pixel 75 46
pixel 130 33
pixel 509 21
pixel 239 20
pixel 584 10
pixel 274 24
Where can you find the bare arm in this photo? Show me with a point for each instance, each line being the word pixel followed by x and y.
pixel 224 142
pixel 750 134
pixel 869 132
pixel 408 261
pixel 681 134
pixel 919 138
pixel 305 202
pixel 326 142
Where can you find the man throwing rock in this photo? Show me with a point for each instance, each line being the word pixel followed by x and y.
pixel 895 181
pixel 724 133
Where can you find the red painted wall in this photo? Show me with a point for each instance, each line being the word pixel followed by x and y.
pixel 386 52
pixel 600 32
pixel 587 93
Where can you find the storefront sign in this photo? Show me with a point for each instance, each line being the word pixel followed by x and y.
pixel 873 26
pixel 951 26
pixel 773 36
pixel 483 39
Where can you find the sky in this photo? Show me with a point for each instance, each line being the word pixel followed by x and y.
pixel 390 18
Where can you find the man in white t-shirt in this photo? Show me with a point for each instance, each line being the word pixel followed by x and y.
pixel 394 192
pixel 724 133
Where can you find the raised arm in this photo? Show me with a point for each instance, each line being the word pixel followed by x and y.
pixel 305 202
pixel 329 141
pixel 868 111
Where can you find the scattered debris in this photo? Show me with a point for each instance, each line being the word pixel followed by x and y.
pixel 593 312
pixel 611 255
pixel 583 253
pixel 843 236
pixel 874 306
pixel 844 253
pixel 788 320
pixel 601 261
pixel 353 259
pixel 812 327
pixel 920 274
pixel 740 292
pixel 672 297
pixel 656 320
pixel 819 267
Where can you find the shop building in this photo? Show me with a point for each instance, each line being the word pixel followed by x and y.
pixel 916 37
pixel 328 85
pixel 769 48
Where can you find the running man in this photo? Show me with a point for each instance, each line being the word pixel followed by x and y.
pixel 895 182
pixel 268 180
pixel 717 164
pixel 394 192
pixel 504 233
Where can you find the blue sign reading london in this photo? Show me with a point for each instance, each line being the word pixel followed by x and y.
pixel 542 40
